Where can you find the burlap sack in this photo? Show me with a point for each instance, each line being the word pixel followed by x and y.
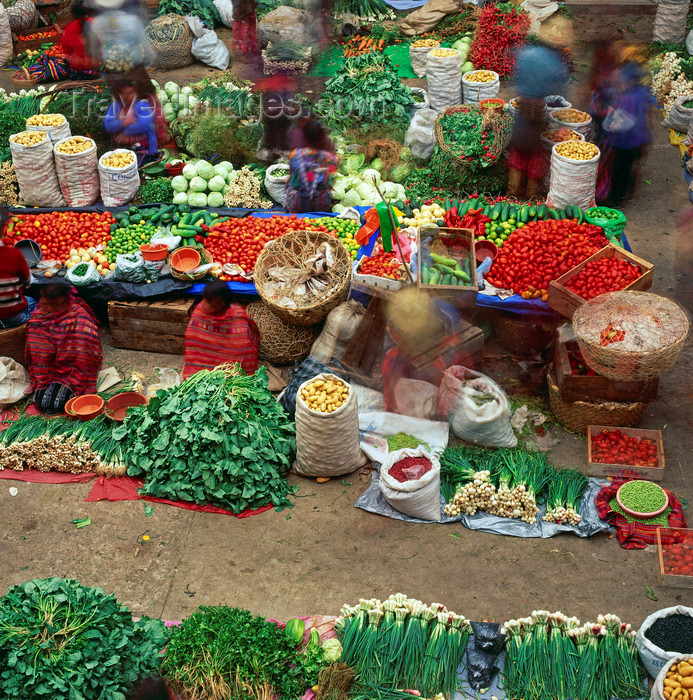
pixel 5 37
pixel 170 39
pixel 327 444
pixel 340 327
pixel 427 17
pixel 670 21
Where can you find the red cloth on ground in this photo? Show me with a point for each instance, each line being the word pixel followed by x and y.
pixel 14 275
pixel 37 477
pixel 636 535
pixel 212 340
pixel 64 347
pixel 73 44
pixel 124 488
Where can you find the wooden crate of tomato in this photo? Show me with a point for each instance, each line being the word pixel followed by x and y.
pixel 632 452
pixel 31 39
pixel 610 269
pixel 578 382
pixel 446 263
pixel 675 557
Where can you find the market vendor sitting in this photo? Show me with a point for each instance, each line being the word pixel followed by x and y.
pixel 419 327
pixel 220 332
pixel 63 349
pixel 15 307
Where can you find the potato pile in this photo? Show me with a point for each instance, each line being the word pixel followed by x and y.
pixel 29 138
pixel 325 396
pixel 572 116
pixel 678 685
pixel 119 160
pixel 46 120
pixel 558 135
pixel 577 150
pixel 481 76
pixel 444 53
pixel 420 43
pixel 76 144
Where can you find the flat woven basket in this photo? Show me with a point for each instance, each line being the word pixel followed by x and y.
pixel 577 415
pixel 500 124
pixel 192 276
pixel 25 82
pixel 521 335
pixel 170 39
pixel 291 251
pixel 281 343
pixel 655 331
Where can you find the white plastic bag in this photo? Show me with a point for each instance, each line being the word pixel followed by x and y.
pixel 118 185
pixel 6 49
pixel 689 43
pixel 166 378
pixel 56 133
pixel 658 687
pixel 418 497
pixel 78 175
pixel 225 10
pixel 679 118
pixel 417 56
pixel 478 409
pixel 475 92
pixel 653 658
pixel 207 46
pixel 35 170
pixel 426 104
pixel 276 186
pixel 164 237
pixel 23 15
pixel 670 21
pixel 572 181
pixel 420 137
pixel 340 326
pixel 444 79
pixel 414 397
pixel 91 276
pixel 14 381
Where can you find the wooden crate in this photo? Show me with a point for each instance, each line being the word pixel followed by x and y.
pixel 153 326
pixel 455 243
pixel 604 469
pixel 13 342
pixel 674 580
pixel 19 44
pixel 582 387
pixel 566 302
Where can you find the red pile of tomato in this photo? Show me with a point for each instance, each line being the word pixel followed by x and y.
pixel 58 232
pixel 602 276
pixel 614 447
pixel 678 557
pixel 542 251
pixel 381 264
pixel 579 366
pixel 239 241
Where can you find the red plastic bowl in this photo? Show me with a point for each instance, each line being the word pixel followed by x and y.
pixel 87 406
pixel 185 259
pixel 117 407
pixel 154 251
pixel 485 249
pixel 635 513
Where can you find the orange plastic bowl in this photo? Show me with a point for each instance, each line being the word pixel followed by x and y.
pixel 494 103
pixel 87 406
pixel 485 249
pixel 185 259
pixel 154 251
pixel 117 407
pixel 68 407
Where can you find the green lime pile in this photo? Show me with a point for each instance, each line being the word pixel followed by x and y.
pixel 344 229
pixel 128 239
pixel 498 231
pixel 603 213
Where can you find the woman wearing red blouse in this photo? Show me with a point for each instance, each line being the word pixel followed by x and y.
pixel 74 43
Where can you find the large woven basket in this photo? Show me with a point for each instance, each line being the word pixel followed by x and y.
pixel 281 343
pixel 632 312
pixel 192 276
pixel 170 39
pixel 520 334
pixel 577 415
pixel 291 251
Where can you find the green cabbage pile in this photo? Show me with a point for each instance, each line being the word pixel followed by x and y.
pixel 202 184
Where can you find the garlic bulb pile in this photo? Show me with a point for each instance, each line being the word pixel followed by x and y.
pixel 670 82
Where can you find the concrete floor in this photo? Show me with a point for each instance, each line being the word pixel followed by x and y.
pixel 324 552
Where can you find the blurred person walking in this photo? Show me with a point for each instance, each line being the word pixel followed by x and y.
pixel 74 42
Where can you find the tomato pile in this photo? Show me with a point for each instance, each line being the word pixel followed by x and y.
pixel 239 241
pixel 381 264
pixel 579 366
pixel 611 335
pixel 602 276
pixel 614 447
pixel 678 557
pixel 59 232
pixel 540 252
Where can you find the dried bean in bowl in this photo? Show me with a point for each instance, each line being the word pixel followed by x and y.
pixel 672 633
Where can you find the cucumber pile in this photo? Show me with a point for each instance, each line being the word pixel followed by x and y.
pixel 440 270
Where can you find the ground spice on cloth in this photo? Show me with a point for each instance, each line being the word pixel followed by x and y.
pixel 400 440
pixel 410 469
pixel 662 519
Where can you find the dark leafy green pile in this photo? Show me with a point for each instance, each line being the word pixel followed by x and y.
pixel 219 437
pixel 452 178
pixel 366 89
pixel 204 9
pixel 61 640
pixel 155 191
pixel 222 652
pixel 10 123
pixel 84 110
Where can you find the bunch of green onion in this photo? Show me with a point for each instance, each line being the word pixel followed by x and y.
pixel 563 498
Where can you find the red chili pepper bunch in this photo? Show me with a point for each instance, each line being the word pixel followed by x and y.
pixel 602 276
pixel 499 34
pixel 473 219
pixel 615 447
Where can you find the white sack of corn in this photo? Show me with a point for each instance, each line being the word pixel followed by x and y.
pixel 327 444
pixel 658 689
pixel 478 409
pixel 444 79
pixel 572 181
pixel 14 381
pixel 417 498
pixel 56 133
pixel 34 167
pixel 78 175
pixel 118 185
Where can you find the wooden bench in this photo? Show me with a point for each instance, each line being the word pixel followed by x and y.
pixel 153 326
pixel 12 343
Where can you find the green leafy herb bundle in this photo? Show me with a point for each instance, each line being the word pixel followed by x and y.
pixel 204 9
pixel 366 88
pixel 10 123
pixel 155 191
pixel 219 437
pixel 62 640
pixel 223 652
pixel 365 9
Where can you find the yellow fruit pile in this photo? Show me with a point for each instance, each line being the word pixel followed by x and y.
pixel 119 160
pixel 76 144
pixel 444 53
pixel 571 116
pixel 420 43
pixel 558 135
pixel 46 120
pixel 481 76
pixel 325 396
pixel 29 138
pixel 577 150
pixel 678 685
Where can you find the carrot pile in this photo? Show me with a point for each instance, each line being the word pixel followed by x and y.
pixel 358 45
